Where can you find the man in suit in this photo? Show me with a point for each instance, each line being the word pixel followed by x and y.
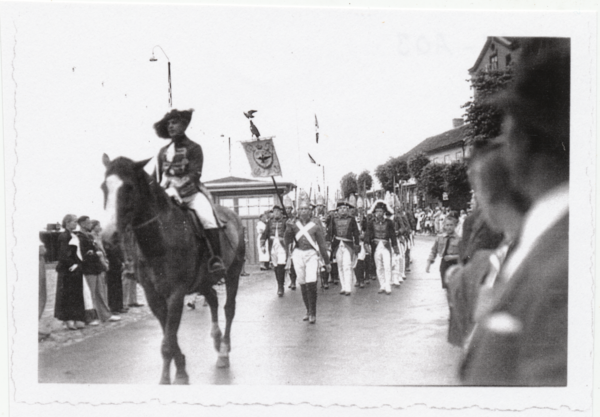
pixel 522 340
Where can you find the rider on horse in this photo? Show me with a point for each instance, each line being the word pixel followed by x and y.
pixel 180 168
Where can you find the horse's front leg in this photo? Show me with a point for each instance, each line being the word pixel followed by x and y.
pixel 170 347
pixel 159 308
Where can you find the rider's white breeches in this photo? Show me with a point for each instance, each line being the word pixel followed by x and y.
pixel 200 204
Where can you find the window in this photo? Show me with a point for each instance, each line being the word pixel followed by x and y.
pixel 508 59
pixel 436 160
pixel 248 206
pixel 227 202
pixel 494 62
pixel 446 159
pixel 459 156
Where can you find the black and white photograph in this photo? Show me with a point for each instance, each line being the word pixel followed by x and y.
pixel 299 208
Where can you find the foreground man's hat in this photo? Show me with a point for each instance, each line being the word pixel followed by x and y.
pixel 161 126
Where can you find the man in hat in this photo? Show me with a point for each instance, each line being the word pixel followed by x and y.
pixel 382 237
pixel 343 235
pixel 274 233
pixel 179 170
pixel 309 240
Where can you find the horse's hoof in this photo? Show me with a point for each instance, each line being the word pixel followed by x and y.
pixel 164 382
pixel 223 362
pixel 183 380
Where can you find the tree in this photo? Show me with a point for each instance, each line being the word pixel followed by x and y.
pixel 393 171
pixel 484 119
pixel 349 185
pixel 431 180
pixel 365 181
pixel 416 164
pixel 456 184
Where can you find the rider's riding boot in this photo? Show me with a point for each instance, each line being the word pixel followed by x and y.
pixel 305 299
pixel 311 290
pixel 216 266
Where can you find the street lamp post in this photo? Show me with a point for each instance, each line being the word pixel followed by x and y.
pixel 153 59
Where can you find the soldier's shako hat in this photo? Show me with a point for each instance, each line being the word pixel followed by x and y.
pixel 352 201
pixel 382 205
pixel 161 126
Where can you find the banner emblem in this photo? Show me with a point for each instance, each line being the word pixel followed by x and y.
pixel 262 158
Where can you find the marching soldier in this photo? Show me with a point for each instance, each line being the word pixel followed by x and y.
pixel 381 236
pixel 343 236
pixel 306 241
pixel 290 217
pixel 274 233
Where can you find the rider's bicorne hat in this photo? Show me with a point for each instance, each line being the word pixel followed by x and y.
pixel 161 126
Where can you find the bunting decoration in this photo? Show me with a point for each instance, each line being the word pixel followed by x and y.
pixel 262 158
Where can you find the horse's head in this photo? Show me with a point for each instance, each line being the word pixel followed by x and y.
pixel 125 185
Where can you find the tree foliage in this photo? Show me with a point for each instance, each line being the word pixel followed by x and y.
pixel 393 171
pixel 484 120
pixel 416 164
pixel 365 182
pixel 431 180
pixel 456 184
pixel 349 185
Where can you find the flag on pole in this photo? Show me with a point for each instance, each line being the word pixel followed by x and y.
pixel 317 128
pixel 262 158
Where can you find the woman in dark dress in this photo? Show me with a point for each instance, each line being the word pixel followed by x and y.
pixel 69 306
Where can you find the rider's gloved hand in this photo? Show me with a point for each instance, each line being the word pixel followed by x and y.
pixel 172 192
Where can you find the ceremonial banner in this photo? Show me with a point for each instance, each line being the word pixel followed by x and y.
pixel 263 158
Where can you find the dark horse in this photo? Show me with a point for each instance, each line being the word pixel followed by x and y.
pixel 167 256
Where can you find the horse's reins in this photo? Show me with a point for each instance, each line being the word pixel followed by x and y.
pixel 146 223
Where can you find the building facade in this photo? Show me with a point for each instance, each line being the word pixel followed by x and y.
pixel 248 198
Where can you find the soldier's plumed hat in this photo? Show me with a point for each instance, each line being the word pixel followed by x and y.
pixel 382 205
pixel 161 126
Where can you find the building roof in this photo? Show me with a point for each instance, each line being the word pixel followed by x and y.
pixel 230 179
pixel 246 184
pixel 445 140
pixel 510 43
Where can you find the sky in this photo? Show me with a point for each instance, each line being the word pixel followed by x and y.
pixel 379 80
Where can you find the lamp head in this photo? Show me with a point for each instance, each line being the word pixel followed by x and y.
pixel 153 59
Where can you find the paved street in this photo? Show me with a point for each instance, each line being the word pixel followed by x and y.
pixel 365 339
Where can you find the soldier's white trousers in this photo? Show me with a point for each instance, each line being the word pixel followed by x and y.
pixel 344 262
pixel 398 265
pixel 278 256
pixel 306 265
pixel 383 263
pixel 200 204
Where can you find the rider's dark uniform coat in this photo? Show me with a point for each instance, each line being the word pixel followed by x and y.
pixel 185 168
